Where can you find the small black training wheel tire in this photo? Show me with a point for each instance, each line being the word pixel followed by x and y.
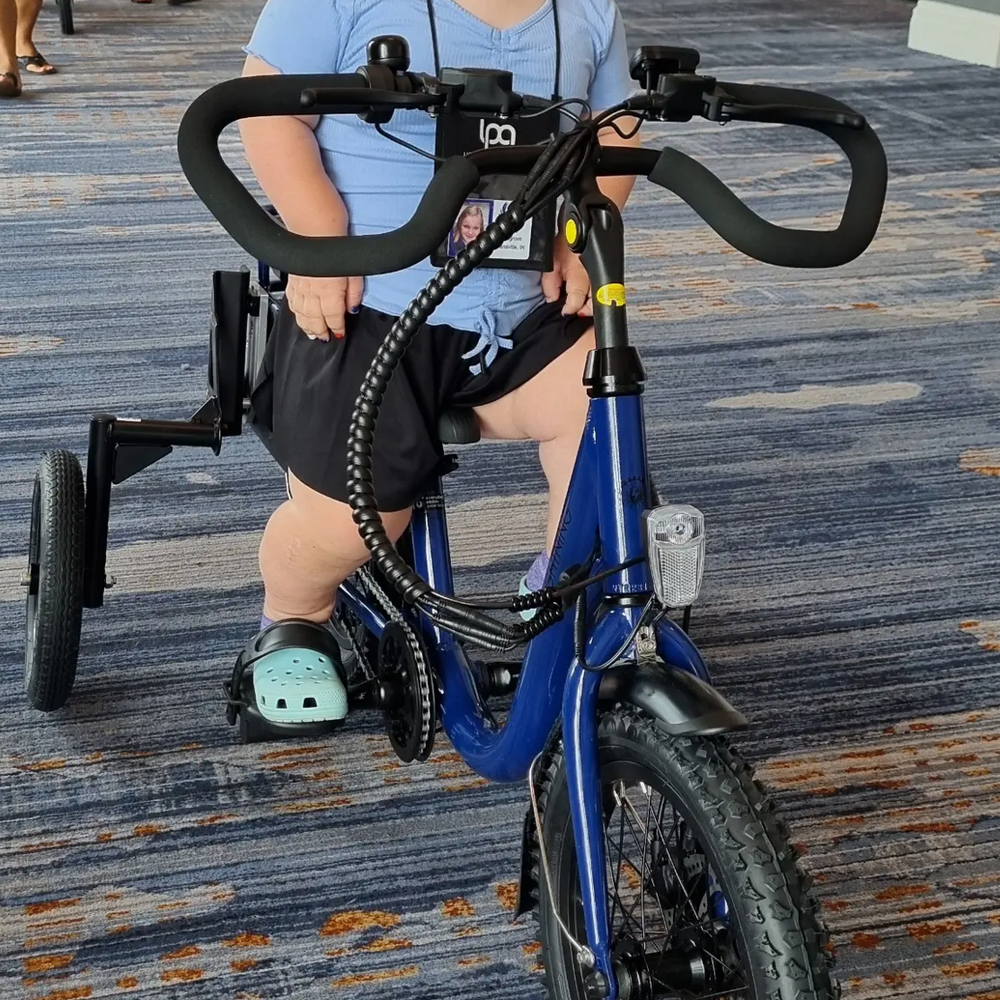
pixel 772 929
pixel 66 16
pixel 55 581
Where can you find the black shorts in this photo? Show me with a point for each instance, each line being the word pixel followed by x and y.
pixel 305 396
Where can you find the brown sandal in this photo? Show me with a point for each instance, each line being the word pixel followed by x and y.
pixel 9 85
pixel 36 64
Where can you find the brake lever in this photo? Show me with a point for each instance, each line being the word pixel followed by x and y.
pixel 722 107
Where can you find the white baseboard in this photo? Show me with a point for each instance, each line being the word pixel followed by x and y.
pixel 969 33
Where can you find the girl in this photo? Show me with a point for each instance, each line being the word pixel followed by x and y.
pixel 511 344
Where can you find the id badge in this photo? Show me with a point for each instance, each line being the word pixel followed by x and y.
pixel 530 249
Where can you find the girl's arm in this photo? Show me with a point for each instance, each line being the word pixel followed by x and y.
pixel 285 158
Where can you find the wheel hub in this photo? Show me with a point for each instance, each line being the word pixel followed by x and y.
pixel 634 982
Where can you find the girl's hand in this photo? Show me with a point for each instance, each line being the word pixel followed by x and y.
pixel 320 304
pixel 568 270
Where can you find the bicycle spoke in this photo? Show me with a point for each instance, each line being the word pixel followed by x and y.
pixel 640 881
pixel 642 847
pixel 642 874
pixel 618 868
pixel 680 881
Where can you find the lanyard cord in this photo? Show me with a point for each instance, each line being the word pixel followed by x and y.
pixel 558 37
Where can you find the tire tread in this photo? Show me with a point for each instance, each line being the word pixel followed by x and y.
pixel 786 925
pixel 52 671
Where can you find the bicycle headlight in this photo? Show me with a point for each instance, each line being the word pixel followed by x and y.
pixel 675 547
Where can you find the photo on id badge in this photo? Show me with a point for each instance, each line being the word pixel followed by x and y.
pixel 475 216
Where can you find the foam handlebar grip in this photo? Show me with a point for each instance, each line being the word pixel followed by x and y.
pixel 741 227
pixel 258 233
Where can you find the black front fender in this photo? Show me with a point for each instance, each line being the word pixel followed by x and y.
pixel 684 704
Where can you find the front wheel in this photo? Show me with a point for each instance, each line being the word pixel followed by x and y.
pixel 705 897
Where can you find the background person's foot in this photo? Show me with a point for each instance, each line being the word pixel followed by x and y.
pixel 36 63
pixel 10 85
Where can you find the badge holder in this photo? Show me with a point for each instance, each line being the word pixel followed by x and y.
pixel 460 133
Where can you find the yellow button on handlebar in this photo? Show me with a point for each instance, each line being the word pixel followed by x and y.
pixel 572 231
pixel 611 295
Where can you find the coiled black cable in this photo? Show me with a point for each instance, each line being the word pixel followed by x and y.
pixel 463 621
pixel 550 176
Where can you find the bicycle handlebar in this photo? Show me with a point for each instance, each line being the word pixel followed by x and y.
pixel 741 227
pixel 251 226
pixel 256 231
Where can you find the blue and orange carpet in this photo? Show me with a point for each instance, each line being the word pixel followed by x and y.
pixel 841 430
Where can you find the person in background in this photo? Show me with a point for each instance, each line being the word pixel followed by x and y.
pixel 17 49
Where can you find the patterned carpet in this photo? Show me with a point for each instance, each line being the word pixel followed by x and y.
pixel 839 430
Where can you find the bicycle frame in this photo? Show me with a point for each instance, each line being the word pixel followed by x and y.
pixel 607 495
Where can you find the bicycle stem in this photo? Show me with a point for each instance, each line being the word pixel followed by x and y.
pixel 595 231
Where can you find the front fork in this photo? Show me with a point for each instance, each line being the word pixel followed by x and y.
pixel 583 777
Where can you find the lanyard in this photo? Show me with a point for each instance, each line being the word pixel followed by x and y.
pixel 558 38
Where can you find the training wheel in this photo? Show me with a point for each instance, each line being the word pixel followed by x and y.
pixel 55 581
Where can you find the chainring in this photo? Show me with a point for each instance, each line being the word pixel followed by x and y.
pixel 408 692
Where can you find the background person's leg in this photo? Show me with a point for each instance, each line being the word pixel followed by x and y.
pixel 310 546
pixel 550 408
pixel 27 15
pixel 8 51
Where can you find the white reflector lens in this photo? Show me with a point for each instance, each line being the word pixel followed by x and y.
pixel 675 546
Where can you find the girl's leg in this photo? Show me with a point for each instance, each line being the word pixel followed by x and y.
pixel 310 546
pixel 550 408
pixel 27 15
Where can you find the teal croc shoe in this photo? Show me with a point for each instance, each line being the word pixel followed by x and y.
pixel 289 682
pixel 297 684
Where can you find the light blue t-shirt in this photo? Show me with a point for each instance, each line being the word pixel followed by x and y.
pixel 380 181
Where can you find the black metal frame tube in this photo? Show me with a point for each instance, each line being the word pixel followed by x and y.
pixel 100 470
pixel 107 433
pixel 185 433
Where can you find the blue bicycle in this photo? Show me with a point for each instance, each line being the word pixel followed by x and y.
pixel 657 865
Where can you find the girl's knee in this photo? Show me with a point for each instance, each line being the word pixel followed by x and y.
pixel 330 522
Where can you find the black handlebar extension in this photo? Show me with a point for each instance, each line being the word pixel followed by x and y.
pixel 250 225
pixel 257 232
pixel 741 227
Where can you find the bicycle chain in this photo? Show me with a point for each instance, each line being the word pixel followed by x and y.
pixel 427 721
